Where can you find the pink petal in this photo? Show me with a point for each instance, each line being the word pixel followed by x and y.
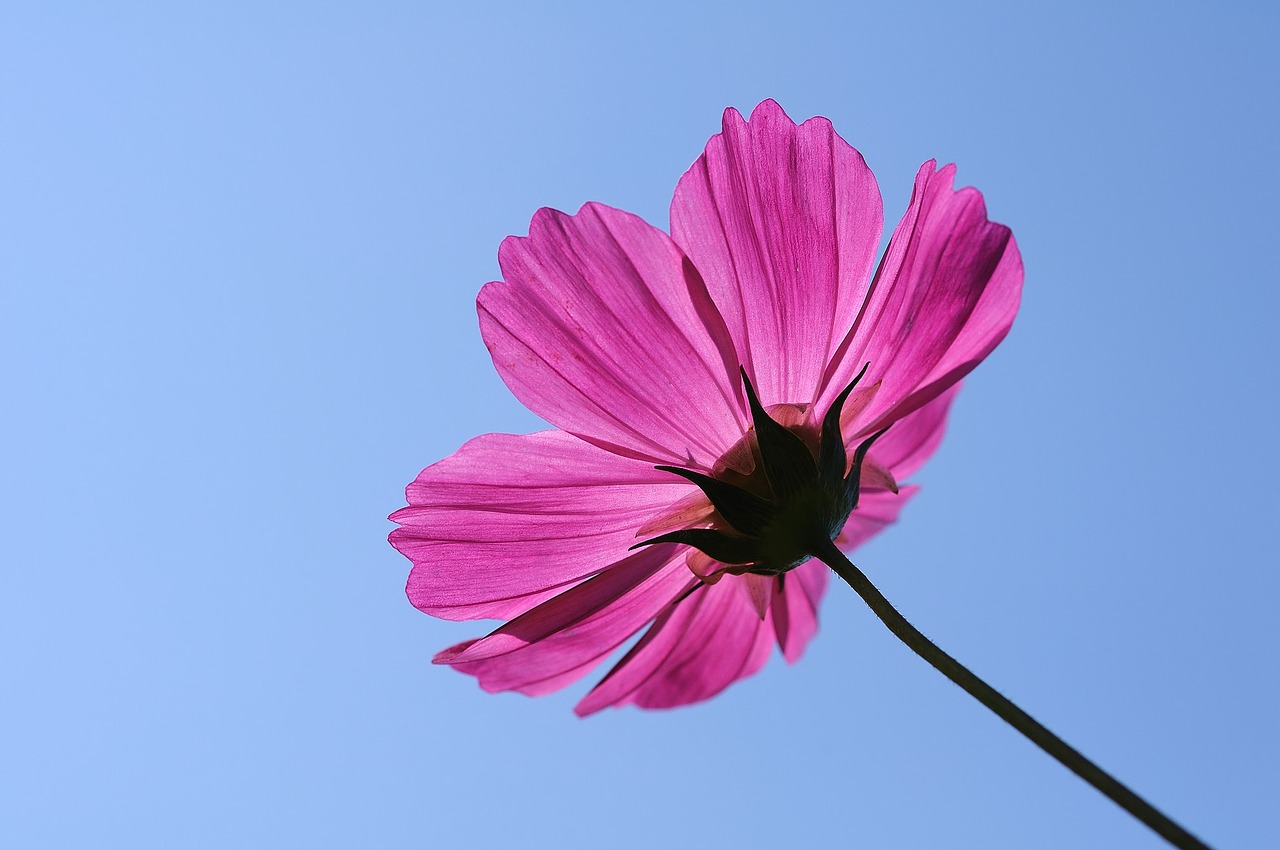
pixel 876 511
pixel 759 591
pixel 562 639
pixel 876 475
pixel 693 651
pixel 795 610
pixel 913 439
pixel 944 296
pixel 603 327
pixel 784 222
pixel 508 521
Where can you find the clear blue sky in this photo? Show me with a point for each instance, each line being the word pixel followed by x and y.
pixel 239 250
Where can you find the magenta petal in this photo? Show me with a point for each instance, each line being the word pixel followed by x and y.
pixel 876 511
pixel 563 638
pixel 943 298
pixel 759 590
pixel 913 439
pixel 508 521
pixel 604 328
pixel 692 652
pixel 784 222
pixel 795 608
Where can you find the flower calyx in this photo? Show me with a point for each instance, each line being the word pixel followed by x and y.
pixel 809 498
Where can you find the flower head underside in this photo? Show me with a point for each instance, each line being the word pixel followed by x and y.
pixel 724 398
pixel 796 498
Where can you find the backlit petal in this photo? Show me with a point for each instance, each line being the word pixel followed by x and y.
pixel 759 591
pixel 876 511
pixel 695 650
pixel 795 607
pixel 784 222
pixel 508 521
pixel 943 298
pixel 915 437
pixel 603 327
pixel 565 637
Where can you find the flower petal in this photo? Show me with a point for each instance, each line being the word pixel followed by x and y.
pixel 944 296
pixel 695 649
pixel 876 511
pixel 562 639
pixel 508 521
pixel 759 590
pixel 795 609
pixel 913 439
pixel 784 222
pixel 603 327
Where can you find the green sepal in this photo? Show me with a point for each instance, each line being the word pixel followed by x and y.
pixel 853 482
pixel 742 509
pixel 831 455
pixel 787 462
pixel 717 544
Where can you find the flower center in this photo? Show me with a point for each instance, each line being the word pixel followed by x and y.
pixel 779 495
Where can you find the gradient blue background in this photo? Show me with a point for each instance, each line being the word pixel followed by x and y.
pixel 239 248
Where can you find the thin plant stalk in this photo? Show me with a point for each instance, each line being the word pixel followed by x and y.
pixel 1070 757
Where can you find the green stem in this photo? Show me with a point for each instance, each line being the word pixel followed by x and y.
pixel 1006 710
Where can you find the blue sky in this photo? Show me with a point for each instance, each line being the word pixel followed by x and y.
pixel 239 251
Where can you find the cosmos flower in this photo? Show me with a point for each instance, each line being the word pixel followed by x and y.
pixel 720 395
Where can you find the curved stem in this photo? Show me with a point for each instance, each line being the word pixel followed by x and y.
pixel 1006 710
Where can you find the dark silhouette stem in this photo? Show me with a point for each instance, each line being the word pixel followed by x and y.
pixel 1006 710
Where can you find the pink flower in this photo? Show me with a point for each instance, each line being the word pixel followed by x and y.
pixel 630 342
